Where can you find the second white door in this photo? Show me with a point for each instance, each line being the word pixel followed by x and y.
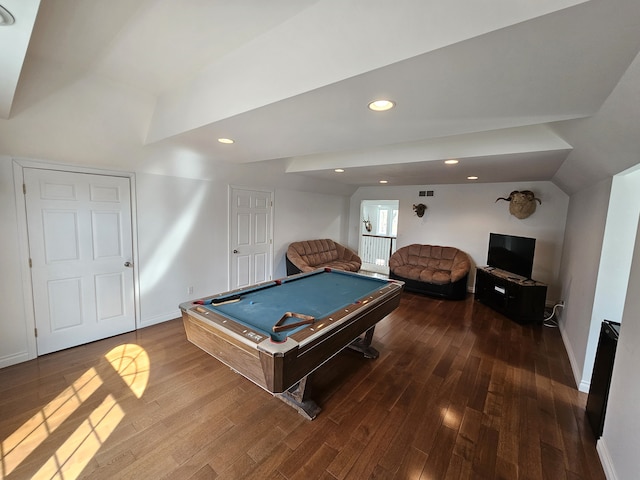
pixel 250 237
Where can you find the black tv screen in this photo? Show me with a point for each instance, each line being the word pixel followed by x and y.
pixel 512 254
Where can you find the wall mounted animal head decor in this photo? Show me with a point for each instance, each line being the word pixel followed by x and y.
pixel 419 209
pixel 521 204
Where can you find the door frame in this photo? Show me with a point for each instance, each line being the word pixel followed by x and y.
pixel 387 202
pixel 230 190
pixel 19 164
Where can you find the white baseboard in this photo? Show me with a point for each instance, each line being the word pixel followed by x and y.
pixel 605 460
pixel 13 359
pixel 575 368
pixel 21 357
pixel 584 386
pixel 147 322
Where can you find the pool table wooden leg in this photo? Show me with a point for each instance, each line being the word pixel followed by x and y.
pixel 298 398
pixel 363 345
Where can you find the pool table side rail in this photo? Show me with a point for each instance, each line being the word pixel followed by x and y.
pixel 225 348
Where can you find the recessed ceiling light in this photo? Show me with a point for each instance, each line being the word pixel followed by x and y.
pixel 472 177
pixel 6 18
pixel 451 161
pixel 381 105
pixel 384 181
pixel 339 170
pixel 225 140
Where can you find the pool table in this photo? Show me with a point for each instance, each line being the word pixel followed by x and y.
pixel 277 333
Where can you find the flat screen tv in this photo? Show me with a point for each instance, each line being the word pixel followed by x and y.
pixel 512 254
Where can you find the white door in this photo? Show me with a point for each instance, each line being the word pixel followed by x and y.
pixel 80 242
pixel 250 237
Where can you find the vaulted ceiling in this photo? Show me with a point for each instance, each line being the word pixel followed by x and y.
pixel 511 89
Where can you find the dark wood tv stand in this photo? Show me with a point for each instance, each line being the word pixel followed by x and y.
pixel 517 298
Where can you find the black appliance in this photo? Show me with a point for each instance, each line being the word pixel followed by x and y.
pixel 511 253
pixel 601 376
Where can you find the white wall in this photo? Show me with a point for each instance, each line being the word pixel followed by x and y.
pixel 13 329
pixel 617 247
pixel 620 442
pixel 182 243
pixel 579 271
pixel 305 216
pixel 462 216
pixel 615 262
pixel 598 247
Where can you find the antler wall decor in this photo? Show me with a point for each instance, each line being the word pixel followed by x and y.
pixel 521 204
pixel 419 209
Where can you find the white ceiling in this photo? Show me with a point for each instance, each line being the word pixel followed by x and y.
pixel 501 85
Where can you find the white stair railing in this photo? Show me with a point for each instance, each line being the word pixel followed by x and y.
pixel 376 249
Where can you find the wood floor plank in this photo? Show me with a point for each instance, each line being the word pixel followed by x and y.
pixel 468 435
pixel 484 460
pixel 204 473
pixel 529 453
pixel 412 464
pixel 314 467
pixel 268 467
pixel 458 392
pixel 239 468
pixel 440 454
pixel 505 470
pixel 313 441
pixel 408 430
pixel 345 458
pixel 368 458
pixel 552 462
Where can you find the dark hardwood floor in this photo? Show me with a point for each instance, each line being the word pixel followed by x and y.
pixel 459 392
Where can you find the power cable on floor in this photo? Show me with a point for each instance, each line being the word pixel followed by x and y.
pixel 551 321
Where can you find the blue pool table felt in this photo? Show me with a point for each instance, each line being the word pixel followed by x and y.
pixel 318 295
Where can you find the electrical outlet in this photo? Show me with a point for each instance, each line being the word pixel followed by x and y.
pixel 189 290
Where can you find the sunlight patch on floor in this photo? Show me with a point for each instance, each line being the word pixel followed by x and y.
pixel 78 450
pixel 38 428
pixel 131 362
